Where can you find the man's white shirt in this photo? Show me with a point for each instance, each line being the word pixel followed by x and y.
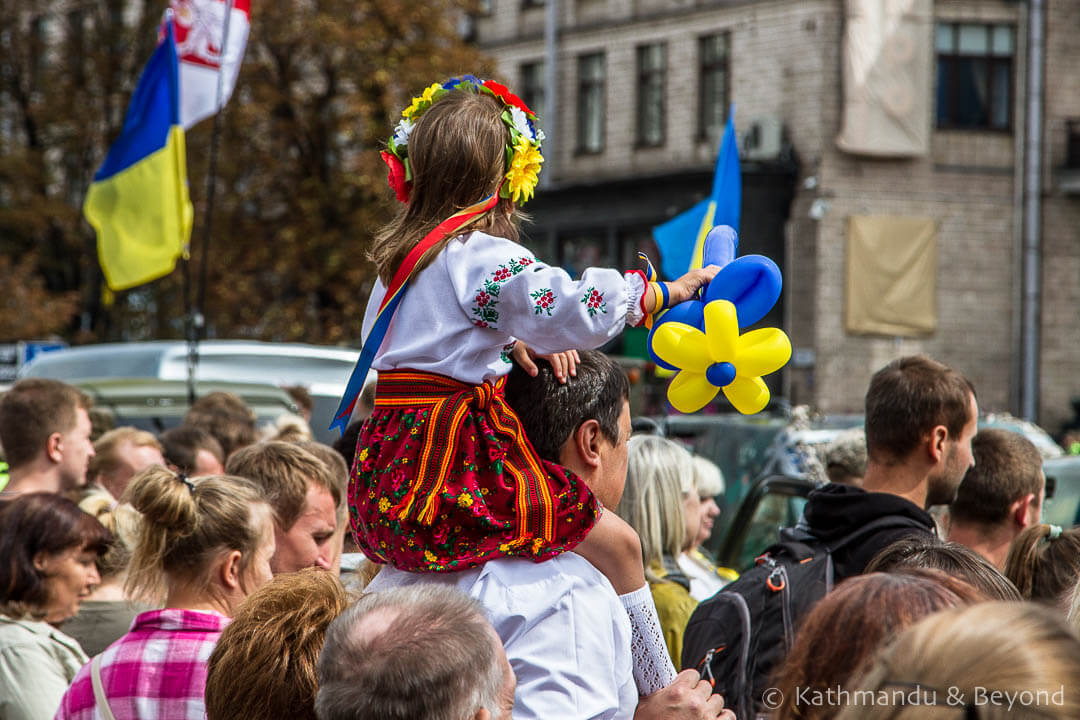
pixel 564 630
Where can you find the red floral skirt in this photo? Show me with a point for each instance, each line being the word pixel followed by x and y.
pixel 445 479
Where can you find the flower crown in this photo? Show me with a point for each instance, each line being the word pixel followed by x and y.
pixel 523 158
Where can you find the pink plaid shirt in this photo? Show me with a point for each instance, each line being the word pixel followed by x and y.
pixel 157 670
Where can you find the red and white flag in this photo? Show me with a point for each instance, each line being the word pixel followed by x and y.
pixel 200 33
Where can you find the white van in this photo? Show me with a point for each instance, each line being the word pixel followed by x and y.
pixel 323 370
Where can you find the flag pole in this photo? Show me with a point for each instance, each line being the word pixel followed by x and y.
pixel 196 319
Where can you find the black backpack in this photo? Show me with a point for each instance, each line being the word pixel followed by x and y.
pixel 736 637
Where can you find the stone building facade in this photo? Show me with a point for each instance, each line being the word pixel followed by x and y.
pixel 782 66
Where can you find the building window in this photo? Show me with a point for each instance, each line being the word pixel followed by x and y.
pixel 591 103
pixel 651 69
pixel 526 4
pixel 713 84
pixel 974 76
pixel 532 88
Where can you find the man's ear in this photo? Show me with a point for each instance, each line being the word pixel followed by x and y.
pixel 1020 509
pixel 587 442
pixel 52 447
pixel 936 441
pixel 230 570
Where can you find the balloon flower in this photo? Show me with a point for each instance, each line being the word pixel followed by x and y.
pixel 720 358
pixel 700 339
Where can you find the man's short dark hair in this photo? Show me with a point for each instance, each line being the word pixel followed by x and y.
pixel 550 411
pixel 181 445
pixel 907 399
pixel 1007 467
pixel 424 652
pixel 225 416
pixel 31 411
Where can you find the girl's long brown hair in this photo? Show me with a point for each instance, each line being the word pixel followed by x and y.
pixel 458 155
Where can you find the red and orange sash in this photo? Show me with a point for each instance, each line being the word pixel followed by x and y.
pixel 449 402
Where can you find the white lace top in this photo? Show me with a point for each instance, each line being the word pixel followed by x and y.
pixel 461 314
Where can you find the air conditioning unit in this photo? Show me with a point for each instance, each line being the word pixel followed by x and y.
pixel 763 139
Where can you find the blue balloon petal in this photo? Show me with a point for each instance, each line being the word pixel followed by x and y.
pixel 721 246
pixel 752 283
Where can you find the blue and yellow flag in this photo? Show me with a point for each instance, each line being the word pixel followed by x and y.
pixel 138 202
pixel 681 240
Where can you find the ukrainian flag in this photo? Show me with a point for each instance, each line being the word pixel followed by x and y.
pixel 138 202
pixel 723 207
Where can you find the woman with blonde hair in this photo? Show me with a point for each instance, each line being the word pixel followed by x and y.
pixel 661 503
pixel 202 547
pixel 705 577
pixel 990 660
pixel 108 612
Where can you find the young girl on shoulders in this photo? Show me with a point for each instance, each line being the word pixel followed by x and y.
pixel 444 477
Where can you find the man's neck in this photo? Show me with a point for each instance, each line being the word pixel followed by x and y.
pixel 28 479
pixel 901 479
pixel 992 543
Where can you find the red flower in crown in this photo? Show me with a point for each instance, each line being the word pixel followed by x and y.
pixel 396 177
pixel 508 98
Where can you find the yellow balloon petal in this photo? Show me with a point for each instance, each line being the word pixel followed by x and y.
pixel 681 345
pixel 748 395
pixel 689 392
pixel 760 352
pixel 722 330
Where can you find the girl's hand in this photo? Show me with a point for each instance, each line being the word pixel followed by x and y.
pixel 685 287
pixel 563 364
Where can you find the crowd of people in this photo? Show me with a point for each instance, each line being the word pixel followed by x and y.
pixel 524 553
pixel 141 587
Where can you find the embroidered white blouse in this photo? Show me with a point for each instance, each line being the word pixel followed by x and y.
pixel 461 315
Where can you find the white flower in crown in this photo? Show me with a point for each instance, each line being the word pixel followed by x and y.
pixel 402 131
pixel 540 136
pixel 521 123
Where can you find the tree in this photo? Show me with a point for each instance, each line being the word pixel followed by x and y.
pixel 300 186
pixel 66 69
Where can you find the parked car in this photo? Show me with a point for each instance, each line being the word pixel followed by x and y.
pixel 1062 505
pixel 157 405
pixel 323 370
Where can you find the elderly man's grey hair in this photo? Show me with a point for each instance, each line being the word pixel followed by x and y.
pixel 424 652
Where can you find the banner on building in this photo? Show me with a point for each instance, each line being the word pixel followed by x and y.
pixel 888 60
pixel 891 275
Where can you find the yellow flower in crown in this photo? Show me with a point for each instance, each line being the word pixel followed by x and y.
pixel 422 100
pixel 524 138
pixel 524 169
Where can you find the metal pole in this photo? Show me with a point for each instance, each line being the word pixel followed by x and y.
pixel 1032 211
pixel 551 97
pixel 197 323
